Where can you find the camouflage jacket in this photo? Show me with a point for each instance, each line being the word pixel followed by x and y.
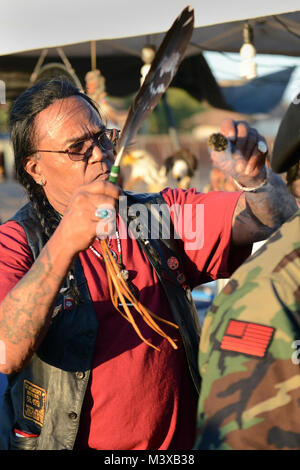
pixel 250 352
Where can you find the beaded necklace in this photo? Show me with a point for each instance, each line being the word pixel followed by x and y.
pixel 124 294
pixel 123 272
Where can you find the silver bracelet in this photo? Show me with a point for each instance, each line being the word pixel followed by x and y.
pixel 244 188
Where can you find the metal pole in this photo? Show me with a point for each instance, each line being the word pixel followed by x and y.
pixel 93 55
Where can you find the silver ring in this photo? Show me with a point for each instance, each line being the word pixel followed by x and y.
pixel 102 213
pixel 262 147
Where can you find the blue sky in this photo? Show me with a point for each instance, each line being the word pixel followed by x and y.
pixel 225 66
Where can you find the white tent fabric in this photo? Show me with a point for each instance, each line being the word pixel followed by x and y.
pixel 124 26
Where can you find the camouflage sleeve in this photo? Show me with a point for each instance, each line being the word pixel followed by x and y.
pixel 249 361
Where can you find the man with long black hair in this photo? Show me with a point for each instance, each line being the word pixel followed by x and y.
pixel 79 374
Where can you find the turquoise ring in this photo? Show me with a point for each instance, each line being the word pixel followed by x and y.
pixel 103 213
pixel 262 147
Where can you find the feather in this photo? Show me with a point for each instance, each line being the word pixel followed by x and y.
pixel 119 291
pixel 159 77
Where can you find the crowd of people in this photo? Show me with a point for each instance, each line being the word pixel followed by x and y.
pixel 88 368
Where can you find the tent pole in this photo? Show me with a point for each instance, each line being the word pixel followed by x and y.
pixel 171 124
pixel 93 55
pixel 38 65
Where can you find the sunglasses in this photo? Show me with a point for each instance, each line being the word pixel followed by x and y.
pixel 106 140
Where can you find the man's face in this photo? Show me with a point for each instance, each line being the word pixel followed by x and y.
pixel 57 128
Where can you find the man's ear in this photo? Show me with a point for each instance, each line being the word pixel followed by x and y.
pixel 33 168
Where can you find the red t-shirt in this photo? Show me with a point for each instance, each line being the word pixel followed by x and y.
pixel 139 398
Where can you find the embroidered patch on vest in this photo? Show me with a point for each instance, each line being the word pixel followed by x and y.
pixel 34 402
pixel 68 303
pixel 247 338
pixel 173 263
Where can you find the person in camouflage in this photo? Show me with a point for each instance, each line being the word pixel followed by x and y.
pixel 250 344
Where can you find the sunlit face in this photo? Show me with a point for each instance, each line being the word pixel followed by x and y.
pixel 59 127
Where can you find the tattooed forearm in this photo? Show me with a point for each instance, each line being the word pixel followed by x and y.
pixel 25 313
pixel 259 213
pixel 273 204
pixel 20 317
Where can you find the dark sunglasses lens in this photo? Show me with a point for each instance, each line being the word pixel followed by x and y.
pixel 104 140
pixel 114 136
pixel 77 157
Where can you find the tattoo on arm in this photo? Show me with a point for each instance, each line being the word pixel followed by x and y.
pixel 258 214
pixel 24 311
pixel 248 226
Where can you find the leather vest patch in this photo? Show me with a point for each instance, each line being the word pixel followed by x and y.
pixel 34 402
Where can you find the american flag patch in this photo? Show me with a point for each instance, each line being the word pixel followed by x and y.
pixel 247 338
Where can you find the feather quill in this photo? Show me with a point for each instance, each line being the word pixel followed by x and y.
pixel 119 290
pixel 163 69
pixel 159 77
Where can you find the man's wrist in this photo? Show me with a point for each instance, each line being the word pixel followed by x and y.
pixel 251 188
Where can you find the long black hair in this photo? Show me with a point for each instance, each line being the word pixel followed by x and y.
pixel 23 133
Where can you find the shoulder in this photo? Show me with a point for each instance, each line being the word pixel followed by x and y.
pixel 277 258
pixel 247 344
pixel 263 291
pixel 15 256
pixel 13 239
pixel 12 230
pixel 192 196
pixel 263 288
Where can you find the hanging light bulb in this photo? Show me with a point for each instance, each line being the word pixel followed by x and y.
pixel 148 53
pixel 247 53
